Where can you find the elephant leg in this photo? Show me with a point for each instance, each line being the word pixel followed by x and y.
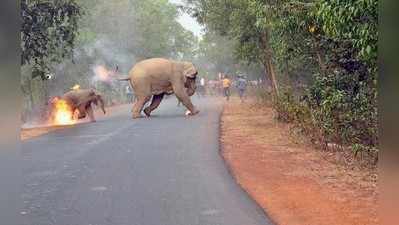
pixel 73 113
pixel 138 106
pixel 82 112
pixel 90 112
pixel 156 100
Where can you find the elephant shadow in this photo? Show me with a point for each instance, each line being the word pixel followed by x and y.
pixel 171 116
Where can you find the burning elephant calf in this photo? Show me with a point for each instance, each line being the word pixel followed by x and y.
pixel 153 78
pixel 76 102
pixel 61 112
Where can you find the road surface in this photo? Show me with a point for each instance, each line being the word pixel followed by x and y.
pixel 165 170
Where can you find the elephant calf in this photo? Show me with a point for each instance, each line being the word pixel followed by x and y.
pixel 81 100
pixel 157 77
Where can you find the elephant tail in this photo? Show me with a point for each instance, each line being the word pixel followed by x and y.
pixel 123 78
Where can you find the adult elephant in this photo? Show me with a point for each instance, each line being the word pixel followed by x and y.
pixel 81 100
pixel 156 77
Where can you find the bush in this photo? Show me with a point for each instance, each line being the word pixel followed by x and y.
pixel 261 93
pixel 287 108
pixel 296 111
pixel 338 108
pixel 345 108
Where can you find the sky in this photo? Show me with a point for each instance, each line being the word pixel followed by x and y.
pixel 188 22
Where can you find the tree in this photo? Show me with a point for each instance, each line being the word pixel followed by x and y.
pixel 48 32
pixel 142 28
pixel 216 53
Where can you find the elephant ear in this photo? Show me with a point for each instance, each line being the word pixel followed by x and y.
pixel 190 71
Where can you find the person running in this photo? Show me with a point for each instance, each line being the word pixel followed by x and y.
pixel 241 86
pixel 226 83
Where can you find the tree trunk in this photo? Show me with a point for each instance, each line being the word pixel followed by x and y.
pixel 273 76
pixel 31 99
pixel 268 63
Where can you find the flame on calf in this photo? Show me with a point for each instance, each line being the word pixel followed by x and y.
pixel 62 113
pixel 76 87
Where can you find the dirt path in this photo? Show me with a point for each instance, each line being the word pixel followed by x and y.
pixel 27 133
pixel 293 182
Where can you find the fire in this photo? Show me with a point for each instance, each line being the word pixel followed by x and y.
pixel 62 113
pixel 76 87
pixel 102 73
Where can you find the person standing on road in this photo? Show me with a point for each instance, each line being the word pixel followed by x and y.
pixel 241 86
pixel 202 87
pixel 129 94
pixel 226 83
pixel 200 83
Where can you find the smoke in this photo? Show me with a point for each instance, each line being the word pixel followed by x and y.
pixel 102 74
pixel 94 66
pixel 108 52
pixel 103 57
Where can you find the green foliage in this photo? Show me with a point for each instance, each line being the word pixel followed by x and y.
pixel 345 109
pixel 234 19
pixel 144 28
pixel 355 21
pixel 337 109
pixel 293 45
pixel 217 48
pixel 287 107
pixel 48 32
pixel 160 33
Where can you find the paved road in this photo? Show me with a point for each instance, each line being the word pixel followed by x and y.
pixel 160 171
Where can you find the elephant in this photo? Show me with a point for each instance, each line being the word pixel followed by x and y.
pixel 157 77
pixel 81 100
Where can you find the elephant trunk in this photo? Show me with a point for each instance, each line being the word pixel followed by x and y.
pixel 190 86
pixel 190 91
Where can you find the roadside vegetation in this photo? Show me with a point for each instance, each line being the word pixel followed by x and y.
pixel 320 58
